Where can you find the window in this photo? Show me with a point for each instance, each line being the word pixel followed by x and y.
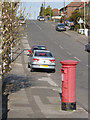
pixel 43 54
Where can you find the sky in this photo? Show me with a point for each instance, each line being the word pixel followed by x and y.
pixel 33 6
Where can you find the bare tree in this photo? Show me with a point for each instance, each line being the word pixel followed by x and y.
pixel 10 32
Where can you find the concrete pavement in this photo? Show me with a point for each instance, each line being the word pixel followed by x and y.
pixel 26 100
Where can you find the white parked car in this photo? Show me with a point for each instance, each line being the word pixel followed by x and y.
pixel 87 47
pixel 41 18
pixel 41 59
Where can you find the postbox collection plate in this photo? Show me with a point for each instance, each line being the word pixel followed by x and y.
pixel 62 77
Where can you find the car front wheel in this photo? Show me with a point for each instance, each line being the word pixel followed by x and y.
pixel 32 70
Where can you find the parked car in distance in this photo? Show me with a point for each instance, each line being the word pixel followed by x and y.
pixel 60 27
pixel 41 18
pixel 37 47
pixel 87 47
pixel 41 59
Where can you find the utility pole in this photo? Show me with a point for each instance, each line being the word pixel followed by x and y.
pixel 50 14
pixel 84 15
pixel 64 11
pixel 34 14
pixel 64 5
pixel 44 9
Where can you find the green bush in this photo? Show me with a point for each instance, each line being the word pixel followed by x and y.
pixel 77 26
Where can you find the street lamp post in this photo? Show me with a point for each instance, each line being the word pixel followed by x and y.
pixel 64 11
pixel 34 14
pixel 84 16
pixel 50 14
pixel 44 9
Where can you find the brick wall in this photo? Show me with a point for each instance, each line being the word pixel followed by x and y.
pixel 70 10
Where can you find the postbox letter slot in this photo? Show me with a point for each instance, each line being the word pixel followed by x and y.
pixel 62 70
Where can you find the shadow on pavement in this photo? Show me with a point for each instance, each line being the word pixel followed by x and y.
pixel 12 84
pixel 44 70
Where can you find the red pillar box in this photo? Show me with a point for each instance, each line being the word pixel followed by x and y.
pixel 68 84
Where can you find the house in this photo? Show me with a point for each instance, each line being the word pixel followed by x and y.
pixel 75 5
pixel 63 11
pixel 56 15
pixel 56 12
pixel 67 10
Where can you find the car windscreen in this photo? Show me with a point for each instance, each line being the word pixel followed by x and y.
pixel 41 17
pixel 43 54
pixel 34 49
pixel 61 25
pixel 41 48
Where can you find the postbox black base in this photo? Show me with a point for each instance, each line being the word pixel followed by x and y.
pixel 68 106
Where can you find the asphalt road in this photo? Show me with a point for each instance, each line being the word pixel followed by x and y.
pixel 63 46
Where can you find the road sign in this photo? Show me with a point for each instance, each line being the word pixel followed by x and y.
pixel 80 20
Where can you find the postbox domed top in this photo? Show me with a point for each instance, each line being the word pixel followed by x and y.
pixel 69 62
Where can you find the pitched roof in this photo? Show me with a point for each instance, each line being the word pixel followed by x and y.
pixel 55 9
pixel 75 4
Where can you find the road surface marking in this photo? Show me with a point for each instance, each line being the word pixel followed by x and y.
pixel 77 58
pixel 57 89
pixel 67 33
pixel 52 82
pixel 48 74
pixel 45 87
pixel 53 25
pixel 87 65
pixel 61 47
pixel 49 80
pixel 68 53
pixel 49 109
pixel 37 25
pixel 18 64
